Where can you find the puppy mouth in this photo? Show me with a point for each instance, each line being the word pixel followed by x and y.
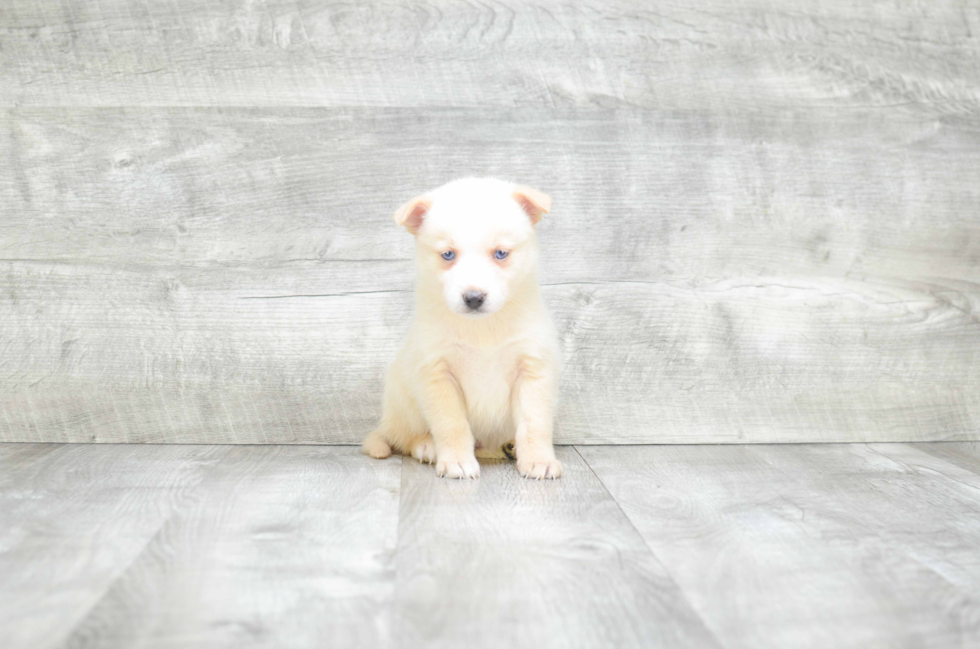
pixel 475 313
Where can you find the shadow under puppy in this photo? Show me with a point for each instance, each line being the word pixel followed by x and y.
pixel 479 367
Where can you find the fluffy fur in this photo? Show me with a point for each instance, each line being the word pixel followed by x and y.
pixel 467 379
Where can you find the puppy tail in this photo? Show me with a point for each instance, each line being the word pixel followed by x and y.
pixel 376 446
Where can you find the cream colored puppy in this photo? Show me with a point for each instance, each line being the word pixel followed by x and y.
pixel 480 364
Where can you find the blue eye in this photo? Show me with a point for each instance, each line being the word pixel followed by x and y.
pixel 501 254
pixel 449 255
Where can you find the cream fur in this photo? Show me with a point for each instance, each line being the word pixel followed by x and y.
pixel 465 379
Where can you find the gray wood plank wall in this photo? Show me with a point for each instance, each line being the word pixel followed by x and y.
pixel 766 223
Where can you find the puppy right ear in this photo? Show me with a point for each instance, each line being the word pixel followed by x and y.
pixel 534 203
pixel 411 213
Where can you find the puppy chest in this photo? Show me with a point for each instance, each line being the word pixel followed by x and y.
pixel 485 379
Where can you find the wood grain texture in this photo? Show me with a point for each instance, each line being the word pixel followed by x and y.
pixel 790 545
pixel 809 545
pixel 138 358
pixel 688 197
pixel 72 518
pixel 749 54
pixel 714 278
pixel 503 561
pixel 929 511
pixel 963 454
pixel 282 546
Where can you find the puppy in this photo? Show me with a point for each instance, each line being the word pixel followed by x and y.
pixel 480 365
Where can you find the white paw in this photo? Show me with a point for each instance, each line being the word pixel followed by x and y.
pixel 450 465
pixel 424 450
pixel 376 446
pixel 538 468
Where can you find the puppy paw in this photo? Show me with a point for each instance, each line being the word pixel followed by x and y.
pixel 376 446
pixel 451 465
pixel 424 449
pixel 539 468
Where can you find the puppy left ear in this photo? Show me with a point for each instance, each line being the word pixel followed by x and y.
pixel 536 204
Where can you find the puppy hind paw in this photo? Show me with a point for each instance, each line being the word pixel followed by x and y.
pixel 376 446
pixel 424 449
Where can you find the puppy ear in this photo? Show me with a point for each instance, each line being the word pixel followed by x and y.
pixel 536 204
pixel 411 213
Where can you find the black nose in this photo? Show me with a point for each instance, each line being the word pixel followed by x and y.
pixel 474 299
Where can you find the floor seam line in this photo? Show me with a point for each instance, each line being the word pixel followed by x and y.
pixel 670 575
pixel 136 557
pixel 393 609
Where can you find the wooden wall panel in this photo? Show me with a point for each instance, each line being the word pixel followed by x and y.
pixel 766 222
pixel 717 56
pixel 243 356
pixel 690 197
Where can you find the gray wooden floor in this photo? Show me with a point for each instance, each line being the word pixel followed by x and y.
pixel 854 545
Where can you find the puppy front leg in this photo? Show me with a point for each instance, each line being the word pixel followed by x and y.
pixel 442 405
pixel 533 399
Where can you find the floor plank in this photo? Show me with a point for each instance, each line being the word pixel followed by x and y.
pixel 506 562
pixel 72 518
pixel 737 546
pixel 804 545
pixel 924 507
pixel 963 454
pixel 283 546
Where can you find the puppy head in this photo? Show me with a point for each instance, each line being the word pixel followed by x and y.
pixel 475 241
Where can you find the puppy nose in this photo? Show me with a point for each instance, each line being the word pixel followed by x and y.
pixel 474 299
